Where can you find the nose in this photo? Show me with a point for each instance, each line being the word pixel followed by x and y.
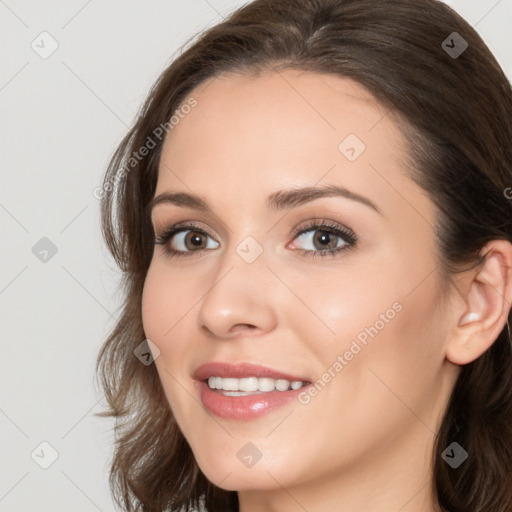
pixel 238 300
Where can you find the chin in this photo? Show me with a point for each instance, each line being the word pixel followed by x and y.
pixel 236 476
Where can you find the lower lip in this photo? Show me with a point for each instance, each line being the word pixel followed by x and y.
pixel 244 407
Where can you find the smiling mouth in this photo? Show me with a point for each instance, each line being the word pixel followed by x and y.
pixel 251 385
pixel 246 398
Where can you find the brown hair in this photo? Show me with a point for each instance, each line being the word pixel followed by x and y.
pixel 457 110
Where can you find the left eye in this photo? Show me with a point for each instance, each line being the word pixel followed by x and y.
pixel 323 239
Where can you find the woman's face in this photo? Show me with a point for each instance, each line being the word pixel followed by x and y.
pixel 363 325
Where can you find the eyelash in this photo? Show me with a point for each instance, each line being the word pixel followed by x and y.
pixel 347 234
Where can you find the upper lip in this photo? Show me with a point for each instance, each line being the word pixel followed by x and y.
pixel 239 370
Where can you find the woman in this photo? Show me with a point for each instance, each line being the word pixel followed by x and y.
pixel 312 220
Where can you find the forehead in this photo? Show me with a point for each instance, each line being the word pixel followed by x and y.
pixel 250 134
pixel 284 107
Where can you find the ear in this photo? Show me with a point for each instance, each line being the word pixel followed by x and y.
pixel 485 306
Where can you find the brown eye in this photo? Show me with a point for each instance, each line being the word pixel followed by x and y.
pixel 194 240
pixel 185 241
pixel 323 239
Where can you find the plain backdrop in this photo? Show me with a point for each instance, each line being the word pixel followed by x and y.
pixel 62 116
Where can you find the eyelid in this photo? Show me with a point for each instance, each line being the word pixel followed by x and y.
pixel 295 232
pixel 322 222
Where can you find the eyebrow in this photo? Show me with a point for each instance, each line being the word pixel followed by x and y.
pixel 276 201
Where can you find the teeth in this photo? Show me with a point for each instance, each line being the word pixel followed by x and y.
pixel 251 385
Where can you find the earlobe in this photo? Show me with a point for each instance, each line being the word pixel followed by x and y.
pixel 487 301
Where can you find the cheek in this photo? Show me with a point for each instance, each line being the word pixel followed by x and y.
pixel 347 306
pixel 378 320
pixel 401 340
pixel 165 304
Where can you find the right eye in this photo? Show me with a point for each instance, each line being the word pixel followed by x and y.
pixel 187 240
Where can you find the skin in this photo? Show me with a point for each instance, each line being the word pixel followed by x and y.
pixel 364 442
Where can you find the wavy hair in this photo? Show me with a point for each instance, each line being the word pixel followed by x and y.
pixel 455 112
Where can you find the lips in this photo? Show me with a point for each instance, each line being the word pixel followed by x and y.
pixel 240 370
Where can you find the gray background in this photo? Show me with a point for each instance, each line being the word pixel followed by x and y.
pixel 62 117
